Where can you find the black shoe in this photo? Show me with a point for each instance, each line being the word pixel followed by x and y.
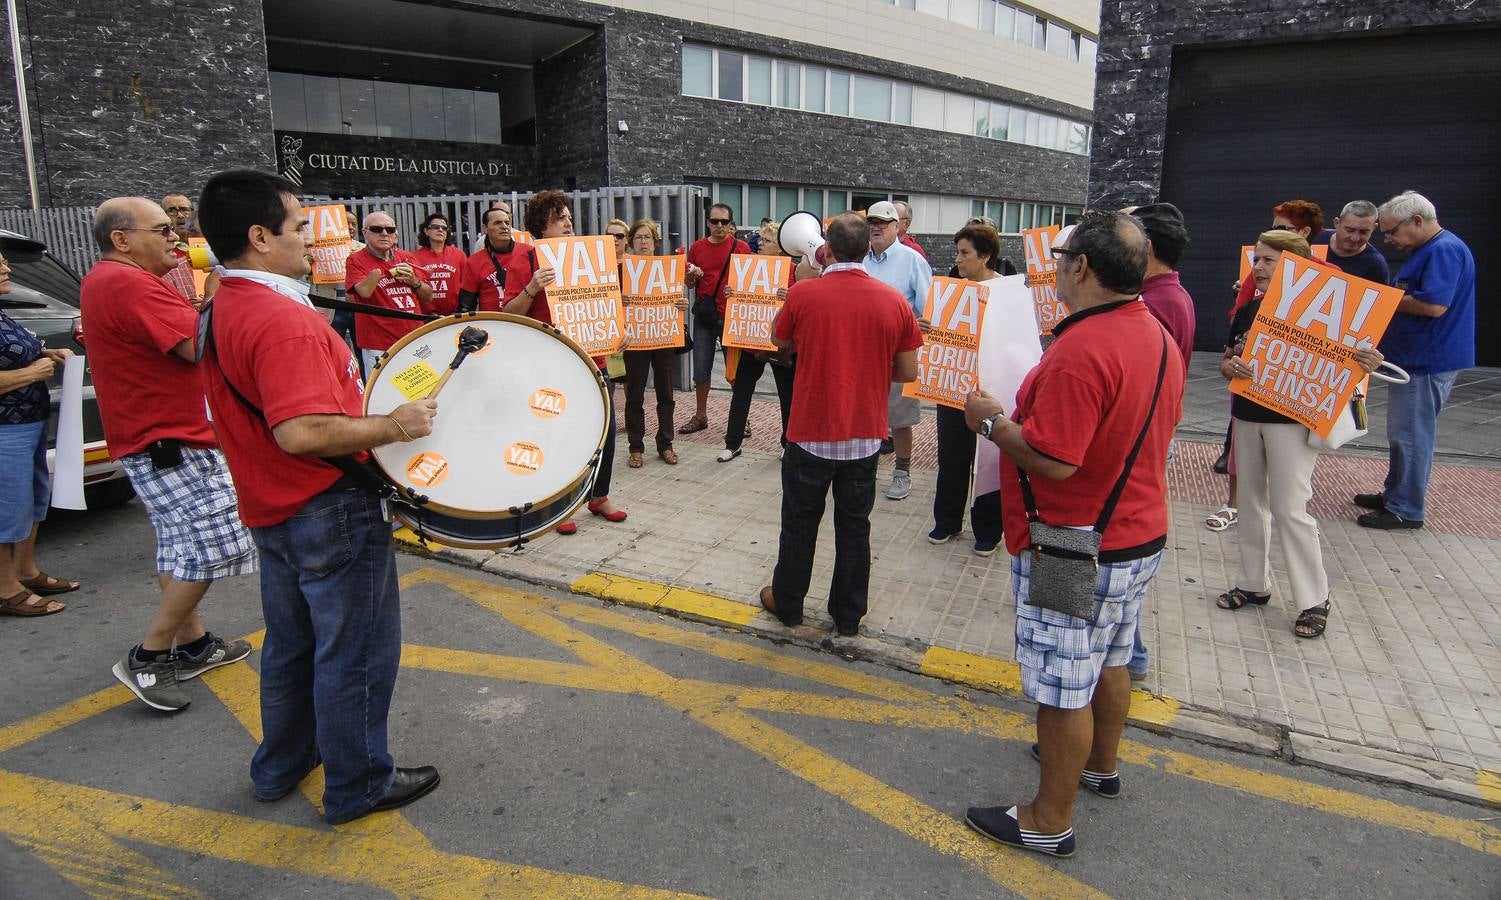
pixel 277 795
pixel 406 786
pixel 852 631
pixel 1370 501
pixel 1387 521
pixel 887 446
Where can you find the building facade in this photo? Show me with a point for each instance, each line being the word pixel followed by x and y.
pixel 962 107
pixel 1227 109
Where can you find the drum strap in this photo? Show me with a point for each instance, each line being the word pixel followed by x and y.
pixel 364 475
pixel 368 309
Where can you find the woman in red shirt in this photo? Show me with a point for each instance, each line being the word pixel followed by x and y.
pixel 549 214
pixel 443 262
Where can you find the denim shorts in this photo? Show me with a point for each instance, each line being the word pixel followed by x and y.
pixel 704 338
pixel 25 486
pixel 1062 656
pixel 199 535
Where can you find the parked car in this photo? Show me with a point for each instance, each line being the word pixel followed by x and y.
pixel 44 297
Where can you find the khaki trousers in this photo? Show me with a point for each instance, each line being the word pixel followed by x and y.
pixel 1274 465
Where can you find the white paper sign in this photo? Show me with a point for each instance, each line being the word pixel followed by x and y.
pixel 67 461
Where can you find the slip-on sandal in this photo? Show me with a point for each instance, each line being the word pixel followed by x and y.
pixel 1225 517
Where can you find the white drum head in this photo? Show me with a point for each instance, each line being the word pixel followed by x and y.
pixel 520 422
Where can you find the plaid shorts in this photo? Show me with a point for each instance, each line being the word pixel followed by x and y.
pixel 199 535
pixel 1061 656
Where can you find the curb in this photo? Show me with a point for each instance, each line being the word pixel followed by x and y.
pixel 1154 712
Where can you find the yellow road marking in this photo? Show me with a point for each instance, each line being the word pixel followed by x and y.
pixel 972 669
pixel 43 724
pixel 650 595
pixel 1489 784
pixel 30 806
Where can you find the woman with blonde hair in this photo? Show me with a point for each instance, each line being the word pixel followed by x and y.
pixel 1274 464
pixel 642 239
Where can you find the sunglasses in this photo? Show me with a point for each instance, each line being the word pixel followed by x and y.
pixel 432 228
pixel 615 234
pixel 381 229
pixel 163 230
pixel 720 221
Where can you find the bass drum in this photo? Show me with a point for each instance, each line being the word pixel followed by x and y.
pixel 518 437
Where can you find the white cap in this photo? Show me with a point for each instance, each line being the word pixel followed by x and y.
pixel 884 211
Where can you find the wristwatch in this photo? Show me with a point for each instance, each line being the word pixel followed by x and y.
pixel 988 425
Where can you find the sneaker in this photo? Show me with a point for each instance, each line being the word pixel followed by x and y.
pixel 1387 520
pixel 155 683
pixel 901 485
pixel 1001 824
pixel 887 446
pixel 939 536
pixel 1370 501
pixel 1108 786
pixel 727 454
pixel 219 652
pixel 986 548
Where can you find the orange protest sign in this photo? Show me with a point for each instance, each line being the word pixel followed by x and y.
pixel 948 362
pixel 585 298
pixel 1042 276
pixel 330 228
pixel 652 287
pixel 520 236
pixel 1248 256
pixel 751 301
pixel 1301 347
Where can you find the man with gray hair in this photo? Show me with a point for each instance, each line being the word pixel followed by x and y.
pixel 1349 241
pixel 904 225
pixel 1432 336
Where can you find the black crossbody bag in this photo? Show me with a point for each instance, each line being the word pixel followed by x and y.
pixel 1066 561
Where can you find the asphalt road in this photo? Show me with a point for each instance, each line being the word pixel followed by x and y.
pixel 594 751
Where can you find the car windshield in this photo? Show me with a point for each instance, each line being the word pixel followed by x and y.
pixel 38 278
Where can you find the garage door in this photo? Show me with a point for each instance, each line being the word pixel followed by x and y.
pixel 1333 121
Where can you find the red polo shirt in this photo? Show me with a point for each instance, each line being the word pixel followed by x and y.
pixel 380 332
pixel 1084 405
pixel 146 392
pixel 484 273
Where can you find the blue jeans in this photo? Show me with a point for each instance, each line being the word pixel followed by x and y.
pixel 333 642
pixel 1411 429
pixel 25 485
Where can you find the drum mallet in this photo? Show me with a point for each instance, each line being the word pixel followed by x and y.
pixel 471 340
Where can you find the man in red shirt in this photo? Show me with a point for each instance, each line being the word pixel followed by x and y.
pixel 483 280
pixel 708 268
pixel 904 224
pixel 854 336
pixel 141 335
pixel 383 274
pixel 286 393
pixel 1092 397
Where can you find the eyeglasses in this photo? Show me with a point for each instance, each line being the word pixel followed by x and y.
pixel 1065 252
pixel 721 221
pixel 163 230
pixel 174 210
pixel 1388 232
pixel 381 229
pixel 616 235
pixel 433 227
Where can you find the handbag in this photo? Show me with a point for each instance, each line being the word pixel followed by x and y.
pixel 1353 423
pixel 706 307
pixel 1066 561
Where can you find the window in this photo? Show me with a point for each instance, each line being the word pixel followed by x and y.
pixel 458 115
pixel 976 208
pixel 758 90
pixel 427 111
pixel 1005 21
pixel 839 201
pixel 322 100
pixel 393 111
pixel 982 119
pixel 288 105
pixel 1013 222
pixel 839 93
pixel 813 88
pixel 939 8
pixel 1087 50
pixel 731 73
pixel 1047 131
pixel 757 205
pixel 731 194
pixel 1016 125
pixel 1060 40
pixel 813 202
pixel 698 72
pixel 872 98
pixel 486 117
pixel 1028 209
pixel 786 203
pixel 993 210
pixel 987 16
pixel 999 115
pixel 959 114
pixel 901 104
pixel 789 85
pixel 1078 138
pixel 965 12
pixel 1040 33
pixel 1033 129
pixel 927 108
pixel 1024 23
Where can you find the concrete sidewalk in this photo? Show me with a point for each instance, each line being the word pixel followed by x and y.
pixel 1406 683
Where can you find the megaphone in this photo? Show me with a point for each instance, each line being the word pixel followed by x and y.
pixel 201 257
pixel 801 234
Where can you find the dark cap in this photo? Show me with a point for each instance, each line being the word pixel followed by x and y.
pixel 1163 223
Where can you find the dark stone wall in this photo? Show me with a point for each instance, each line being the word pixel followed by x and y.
pixel 674 138
pixel 137 97
pixel 1137 38
pixel 572 118
pixel 362 166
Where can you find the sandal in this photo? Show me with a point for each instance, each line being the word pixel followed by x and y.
pixel 1226 517
pixel 1312 621
pixel 635 461
pixel 697 423
pixel 16 605
pixel 669 456
pixel 45 585
pixel 1235 598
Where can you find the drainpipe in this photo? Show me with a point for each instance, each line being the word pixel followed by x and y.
pixel 23 108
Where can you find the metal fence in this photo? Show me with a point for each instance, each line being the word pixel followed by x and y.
pixel 677 209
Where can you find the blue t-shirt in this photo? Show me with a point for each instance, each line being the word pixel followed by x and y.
pixel 1441 272
pixel 20 348
pixel 1368 263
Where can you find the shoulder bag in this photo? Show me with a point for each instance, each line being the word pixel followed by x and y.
pixel 1066 561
